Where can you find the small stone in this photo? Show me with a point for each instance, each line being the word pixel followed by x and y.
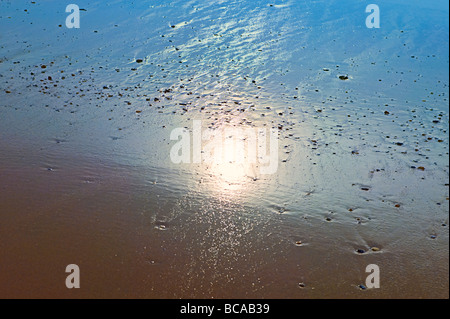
pixel 361 251
pixel 362 287
pixel 161 227
pixel 376 249
pixel 343 77
pixel 139 61
pixel 301 285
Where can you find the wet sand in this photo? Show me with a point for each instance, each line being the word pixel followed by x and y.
pixel 86 175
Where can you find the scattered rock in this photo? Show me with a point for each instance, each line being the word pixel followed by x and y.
pixel 161 227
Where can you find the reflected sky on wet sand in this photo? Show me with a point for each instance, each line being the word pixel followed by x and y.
pixel 360 119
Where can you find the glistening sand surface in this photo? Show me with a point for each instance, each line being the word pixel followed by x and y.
pixel 86 179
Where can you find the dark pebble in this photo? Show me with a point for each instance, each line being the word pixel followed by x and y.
pixel 362 287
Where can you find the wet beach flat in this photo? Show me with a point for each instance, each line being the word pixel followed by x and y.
pixel 87 175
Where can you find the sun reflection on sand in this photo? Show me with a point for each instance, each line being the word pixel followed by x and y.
pixel 231 167
pixel 230 161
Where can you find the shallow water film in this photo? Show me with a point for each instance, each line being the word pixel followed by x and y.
pixel 224 149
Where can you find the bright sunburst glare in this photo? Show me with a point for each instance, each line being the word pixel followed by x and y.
pixel 232 162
